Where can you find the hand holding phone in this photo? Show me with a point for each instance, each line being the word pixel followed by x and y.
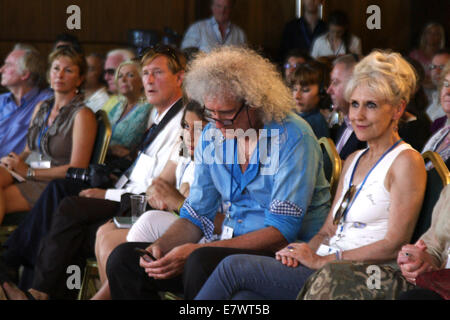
pixel 147 256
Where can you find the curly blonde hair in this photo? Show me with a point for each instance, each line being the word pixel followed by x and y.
pixel 239 74
pixel 387 74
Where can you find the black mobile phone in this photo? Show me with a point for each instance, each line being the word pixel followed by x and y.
pixel 144 253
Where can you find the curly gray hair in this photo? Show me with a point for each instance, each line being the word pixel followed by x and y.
pixel 239 74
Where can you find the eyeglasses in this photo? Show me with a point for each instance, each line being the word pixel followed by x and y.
pixel 436 66
pixel 165 50
pixel 289 66
pixel 225 122
pixel 110 72
pixel 344 206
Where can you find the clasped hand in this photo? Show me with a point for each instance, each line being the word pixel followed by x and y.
pixel 414 260
pixel 169 265
pixel 299 253
pixel 15 163
pixel 163 196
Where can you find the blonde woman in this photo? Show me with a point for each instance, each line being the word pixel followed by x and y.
pixel 61 135
pixel 129 117
pixel 378 199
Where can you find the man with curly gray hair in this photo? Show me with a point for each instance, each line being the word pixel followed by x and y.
pixel 256 158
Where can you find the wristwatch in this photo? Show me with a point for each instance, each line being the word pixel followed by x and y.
pixel 30 173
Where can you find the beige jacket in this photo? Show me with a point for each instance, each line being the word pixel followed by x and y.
pixel 437 238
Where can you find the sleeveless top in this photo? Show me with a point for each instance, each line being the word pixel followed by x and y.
pixel 367 220
pixel 56 141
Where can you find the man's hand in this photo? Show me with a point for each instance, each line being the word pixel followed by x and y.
pixel 93 193
pixel 415 260
pixel 169 265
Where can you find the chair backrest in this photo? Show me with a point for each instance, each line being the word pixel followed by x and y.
pixel 332 163
pixel 103 138
pixel 437 179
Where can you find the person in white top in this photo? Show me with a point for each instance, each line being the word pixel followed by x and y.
pixel 338 40
pixel 95 93
pixel 166 195
pixel 216 31
pixel 378 199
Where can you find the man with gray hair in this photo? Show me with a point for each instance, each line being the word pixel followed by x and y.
pixel 113 59
pixel 344 137
pixel 23 73
pixel 215 31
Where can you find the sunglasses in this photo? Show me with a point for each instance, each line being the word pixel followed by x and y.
pixel 110 72
pixel 344 206
pixel 165 50
pixel 225 122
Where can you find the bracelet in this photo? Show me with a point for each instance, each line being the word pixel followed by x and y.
pixel 338 254
pixel 30 173
pixel 181 206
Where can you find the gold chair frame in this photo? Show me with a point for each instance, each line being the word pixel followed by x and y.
pixel 336 161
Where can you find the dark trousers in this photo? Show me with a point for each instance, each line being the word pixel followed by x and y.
pixel 420 294
pixel 128 281
pixel 23 244
pixel 69 242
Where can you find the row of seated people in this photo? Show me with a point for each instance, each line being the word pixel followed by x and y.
pixel 268 203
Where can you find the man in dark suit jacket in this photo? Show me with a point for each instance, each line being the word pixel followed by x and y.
pixel 344 137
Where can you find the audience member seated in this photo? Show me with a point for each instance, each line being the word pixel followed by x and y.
pixel 294 58
pixel 414 126
pixel 69 237
pixel 431 40
pixel 440 141
pixel 61 135
pixel 308 84
pixel 66 39
pixel 113 59
pixel 130 116
pixel 430 253
pixel 378 198
pixel 344 136
pixel 300 33
pixel 215 31
pixel 438 63
pixel 338 40
pixel 166 195
pixel 95 94
pixel 269 202
pixel 23 73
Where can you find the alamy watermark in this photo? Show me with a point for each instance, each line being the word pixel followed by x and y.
pixel 74 20
pixel 374 280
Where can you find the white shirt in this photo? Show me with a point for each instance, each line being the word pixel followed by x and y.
pixel 322 47
pixel 434 110
pixel 96 101
pixel 159 153
pixel 345 135
pixel 205 35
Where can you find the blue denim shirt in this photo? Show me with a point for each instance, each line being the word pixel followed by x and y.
pixel 14 119
pixel 284 185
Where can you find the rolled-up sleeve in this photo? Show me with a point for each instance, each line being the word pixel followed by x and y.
pixel 204 199
pixel 293 187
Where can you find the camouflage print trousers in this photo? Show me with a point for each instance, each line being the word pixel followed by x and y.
pixel 346 280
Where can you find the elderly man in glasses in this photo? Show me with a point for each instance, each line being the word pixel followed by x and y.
pixel 440 58
pixel 256 157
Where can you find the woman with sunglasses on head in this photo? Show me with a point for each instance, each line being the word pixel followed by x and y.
pixel 378 198
pixel 61 135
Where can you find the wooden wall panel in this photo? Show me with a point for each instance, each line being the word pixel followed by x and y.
pixel 105 22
